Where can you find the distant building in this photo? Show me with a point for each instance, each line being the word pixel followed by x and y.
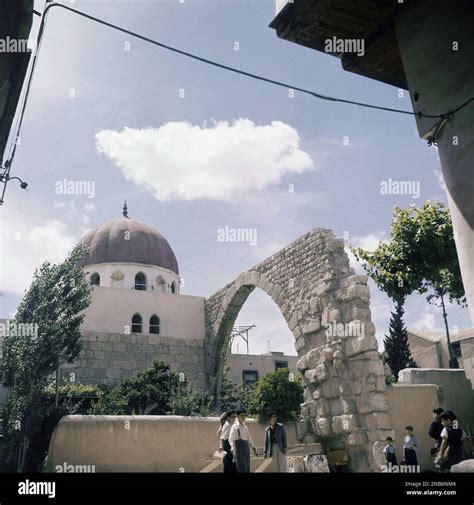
pixel 249 368
pixel 430 350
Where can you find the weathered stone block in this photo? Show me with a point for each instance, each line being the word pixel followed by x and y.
pixel 323 427
pixel 356 345
pixel 330 389
pixel 312 326
pixel 345 423
pixel 316 375
pixel 322 407
pixel 300 343
pixel 357 438
pixel 302 364
pixel 113 373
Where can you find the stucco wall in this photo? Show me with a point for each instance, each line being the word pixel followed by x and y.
pixel 141 443
pixel 112 309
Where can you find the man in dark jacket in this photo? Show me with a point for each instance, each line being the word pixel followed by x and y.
pixel 435 429
pixel 276 442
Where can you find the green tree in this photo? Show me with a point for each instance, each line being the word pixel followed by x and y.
pixel 421 257
pixel 426 237
pixel 52 310
pixel 277 392
pixel 396 343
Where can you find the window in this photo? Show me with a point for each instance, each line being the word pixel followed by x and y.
pixel 456 347
pixel 140 282
pixel 95 279
pixel 137 323
pixel 155 325
pixel 249 377
pixel 281 364
pixel 173 288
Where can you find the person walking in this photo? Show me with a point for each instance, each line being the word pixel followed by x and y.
pixel 240 443
pixel 224 434
pixel 276 442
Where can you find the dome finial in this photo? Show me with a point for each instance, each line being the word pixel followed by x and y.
pixel 125 210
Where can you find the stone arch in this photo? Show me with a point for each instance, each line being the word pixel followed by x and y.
pixel 326 306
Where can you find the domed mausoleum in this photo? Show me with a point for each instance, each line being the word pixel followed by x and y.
pixel 138 313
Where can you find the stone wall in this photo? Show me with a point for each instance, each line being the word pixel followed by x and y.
pixel 326 307
pixel 108 358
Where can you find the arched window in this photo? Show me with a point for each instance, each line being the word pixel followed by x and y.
pixel 173 288
pixel 95 279
pixel 140 281
pixel 137 323
pixel 155 324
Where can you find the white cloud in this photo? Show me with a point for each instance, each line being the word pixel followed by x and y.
pixel 219 162
pixel 367 242
pixel 25 248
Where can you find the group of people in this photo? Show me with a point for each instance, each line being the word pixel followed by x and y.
pixel 448 439
pixel 235 440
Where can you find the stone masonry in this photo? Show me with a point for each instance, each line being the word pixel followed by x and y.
pixel 326 307
pixel 107 358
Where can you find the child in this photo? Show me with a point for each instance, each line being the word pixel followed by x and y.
pixel 435 429
pixel 450 452
pixel 390 452
pixel 410 446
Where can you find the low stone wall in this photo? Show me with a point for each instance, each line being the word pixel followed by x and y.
pixel 108 358
pixel 142 443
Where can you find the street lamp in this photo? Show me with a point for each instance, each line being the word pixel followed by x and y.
pixel 5 178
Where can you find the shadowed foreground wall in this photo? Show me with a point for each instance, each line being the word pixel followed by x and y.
pixel 142 443
pixel 413 399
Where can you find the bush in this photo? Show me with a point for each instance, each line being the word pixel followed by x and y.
pixel 157 388
pixel 187 402
pixel 152 386
pixel 276 392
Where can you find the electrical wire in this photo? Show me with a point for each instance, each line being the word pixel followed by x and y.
pixel 314 94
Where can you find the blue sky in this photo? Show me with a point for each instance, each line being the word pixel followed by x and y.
pixel 102 101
